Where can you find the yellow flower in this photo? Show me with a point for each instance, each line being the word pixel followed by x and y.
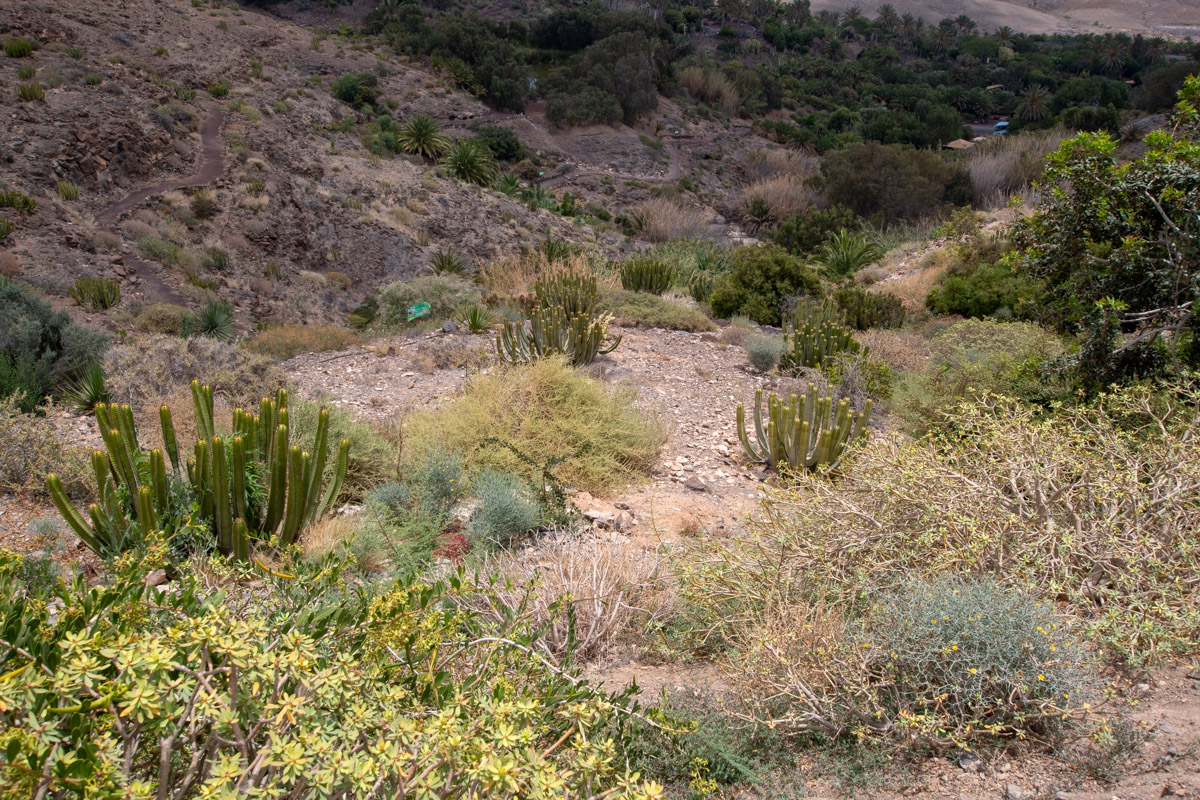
pixel 1041 677
pixel 973 670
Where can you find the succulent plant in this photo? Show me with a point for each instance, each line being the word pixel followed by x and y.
pixel 646 275
pixel 808 431
pixel 818 334
pixel 551 331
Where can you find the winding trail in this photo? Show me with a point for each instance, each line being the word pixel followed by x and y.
pixel 212 166
pixel 674 171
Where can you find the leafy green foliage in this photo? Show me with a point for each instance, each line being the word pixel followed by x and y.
pixel 504 144
pixel 471 162
pixel 761 284
pixel 422 135
pixel 18 48
pixel 357 90
pixel 804 234
pixel 865 309
pixel 96 294
pixel 40 349
pixel 845 253
pixel 10 198
pixel 891 183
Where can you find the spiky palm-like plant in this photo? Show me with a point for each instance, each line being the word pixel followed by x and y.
pixel 446 262
pixel 422 136
pixel 1034 105
pixel 88 390
pixel 471 162
pixel 214 320
pixel 847 252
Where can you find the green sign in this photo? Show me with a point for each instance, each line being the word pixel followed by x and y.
pixel 417 311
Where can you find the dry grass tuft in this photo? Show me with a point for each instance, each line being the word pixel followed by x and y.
pixel 514 276
pixel 762 164
pixel 913 287
pixel 904 350
pixel 711 86
pixel 1007 165
pixel 660 219
pixel 282 342
pixel 776 197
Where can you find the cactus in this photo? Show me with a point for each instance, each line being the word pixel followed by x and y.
pixel 133 487
pixel 550 331
pixel 806 431
pixel 574 294
pixel 646 275
pixel 818 335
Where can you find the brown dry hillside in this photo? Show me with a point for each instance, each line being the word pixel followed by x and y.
pixel 1175 18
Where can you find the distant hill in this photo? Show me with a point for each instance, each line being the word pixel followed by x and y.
pixel 1174 18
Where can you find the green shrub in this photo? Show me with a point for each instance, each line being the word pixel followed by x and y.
pixel 314 664
pixel 642 310
pixel 161 250
pixel 865 309
pixel 893 182
pixel 93 78
pixel 506 510
pixel 445 295
pixel 648 275
pixel 422 135
pixel 357 89
pixel 471 162
pixel 96 294
pixel 215 258
pixel 26 73
pixel 31 92
pixel 18 48
pixel 204 205
pixel 804 234
pixel 983 281
pixel 762 282
pixel 503 143
pixel 549 410
pixel 764 352
pixel 218 89
pixel 10 198
pixel 40 349
pixel 67 191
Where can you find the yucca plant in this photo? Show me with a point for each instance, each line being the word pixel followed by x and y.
pixel 30 92
pixel 74 52
pixel 252 485
pixel 471 162
pixel 805 432
pixel 556 250
pixel 96 294
pixel 214 320
pixel 508 184
pixel 93 78
pixel 846 252
pixel 701 286
pixel 422 135
pixel 67 191
pixel 446 262
pixel 88 390
pixel 478 318
pixel 649 275
pixel 818 334
pixel 185 95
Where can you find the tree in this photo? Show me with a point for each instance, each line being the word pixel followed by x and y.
pixel 1118 246
pixel 886 17
pixel 763 280
pixel 1034 105
pixel 893 182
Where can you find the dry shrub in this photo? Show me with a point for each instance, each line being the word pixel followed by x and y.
pixel 1060 505
pixel 661 219
pixel 1007 165
pixel 33 449
pixel 711 86
pixel 107 241
pixel 762 164
pixel 10 264
pixel 614 588
pixel 326 535
pixel 452 353
pixel 145 368
pixel 282 342
pixel 137 230
pixel 780 196
pixel 904 350
pixel 547 411
pixel 514 276
pixel 913 287
pixel 161 318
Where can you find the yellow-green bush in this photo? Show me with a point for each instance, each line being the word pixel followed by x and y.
pixel 285 341
pixel 548 411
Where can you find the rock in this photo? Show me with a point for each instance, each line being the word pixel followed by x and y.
pixel 1013 791
pixel 156 578
pixel 601 519
pixel 623 522
pixel 969 761
pixel 696 485
pixel 449 326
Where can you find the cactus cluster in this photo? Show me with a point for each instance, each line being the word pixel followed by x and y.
pixel 818 335
pixel 808 431
pixel 646 275
pixel 551 331
pixel 252 484
pixel 564 321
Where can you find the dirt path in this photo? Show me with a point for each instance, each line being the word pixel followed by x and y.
pixel 150 276
pixel 674 170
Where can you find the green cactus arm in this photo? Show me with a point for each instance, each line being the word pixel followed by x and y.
pixel 266 426
pixel 238 453
pixel 241 540
pixel 312 489
pixel 128 430
pixel 145 510
pixel 335 486
pixel 158 478
pixel 222 517
pixel 86 533
pixel 295 495
pixel 751 453
pixel 202 401
pixel 121 460
pixel 168 434
pixel 278 479
pixel 615 342
pixel 203 479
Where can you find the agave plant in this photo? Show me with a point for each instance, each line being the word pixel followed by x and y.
pixel 446 262
pixel 507 184
pixel 846 253
pixel 6 229
pixel 478 318
pixel 422 136
pixel 88 390
pixel 471 162
pixel 96 294
pixel 215 321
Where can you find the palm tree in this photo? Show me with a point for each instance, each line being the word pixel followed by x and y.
pixel 910 26
pixel 471 162
pixel 1112 57
pixel 965 24
pixel 853 14
pixel 422 136
pixel 1034 105
pixel 943 41
pixel 886 17
pixel 1004 36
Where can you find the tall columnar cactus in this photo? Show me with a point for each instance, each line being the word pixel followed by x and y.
pixel 818 335
pixel 650 275
pixel 574 294
pixel 550 331
pixel 806 431
pixel 223 474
